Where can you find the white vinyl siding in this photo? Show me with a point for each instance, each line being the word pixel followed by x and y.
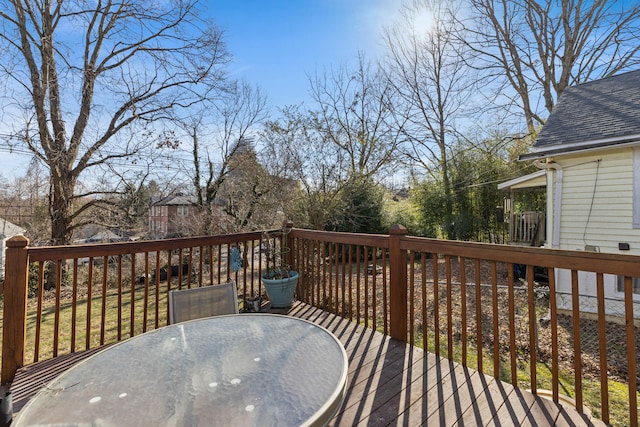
pixel 636 188
pixel 597 201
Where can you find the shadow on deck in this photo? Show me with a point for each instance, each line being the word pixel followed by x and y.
pixel 390 383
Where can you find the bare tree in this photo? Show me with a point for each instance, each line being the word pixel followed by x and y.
pixel 95 82
pixel 428 68
pixel 228 151
pixel 543 46
pixel 354 114
pixel 294 149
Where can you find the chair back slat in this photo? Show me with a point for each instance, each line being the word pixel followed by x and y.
pixel 206 301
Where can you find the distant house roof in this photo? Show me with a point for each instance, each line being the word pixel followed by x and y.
pixel 592 115
pixel 177 200
pixel 182 200
pixel 8 229
pixel 105 236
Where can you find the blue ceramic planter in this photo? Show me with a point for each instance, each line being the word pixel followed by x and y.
pixel 281 291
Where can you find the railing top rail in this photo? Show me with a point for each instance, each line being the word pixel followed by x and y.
pixel 48 253
pixel 598 262
pixel 375 240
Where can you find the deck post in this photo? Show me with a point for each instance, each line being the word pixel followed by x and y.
pixel 15 307
pixel 397 284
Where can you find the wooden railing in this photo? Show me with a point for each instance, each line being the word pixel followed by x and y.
pixel 527 228
pixel 465 301
pixel 83 296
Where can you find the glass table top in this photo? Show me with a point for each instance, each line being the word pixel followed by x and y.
pixel 240 370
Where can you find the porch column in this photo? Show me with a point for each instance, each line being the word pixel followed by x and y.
pixel 15 307
pixel 397 284
pixel 512 216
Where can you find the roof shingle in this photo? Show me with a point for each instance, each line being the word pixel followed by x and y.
pixel 600 110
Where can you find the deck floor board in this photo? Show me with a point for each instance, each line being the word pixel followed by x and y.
pixel 389 383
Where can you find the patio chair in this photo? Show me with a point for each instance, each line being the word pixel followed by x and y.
pixel 195 303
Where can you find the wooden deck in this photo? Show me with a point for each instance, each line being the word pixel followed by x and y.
pixel 390 383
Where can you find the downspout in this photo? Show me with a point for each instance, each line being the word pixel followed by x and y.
pixel 557 203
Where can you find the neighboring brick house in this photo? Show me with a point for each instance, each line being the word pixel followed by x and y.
pixel 172 216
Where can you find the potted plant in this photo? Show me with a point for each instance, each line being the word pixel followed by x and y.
pixel 279 280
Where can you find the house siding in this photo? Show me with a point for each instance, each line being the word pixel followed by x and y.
pixel 597 202
pixel 597 213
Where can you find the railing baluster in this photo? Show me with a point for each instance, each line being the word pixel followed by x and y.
pixel 343 279
pixel 478 313
pixel 577 351
pixel 169 253
pixel 145 312
pixel 181 263
pixel 103 311
pixel 602 348
pixel 425 315
pixel 314 247
pixel 40 292
pixel 87 333
pixel 305 247
pixel 322 274
pixel 512 325
pixel 496 330
pixel 631 351
pixel 350 278
pixel 412 297
pixel 219 263
pixel 210 250
pixel 201 265
pixel 553 320
pixel 157 288
pixel 385 293
pixel 358 283
pixel 132 289
pixel 463 307
pixel 330 275
pixel 365 256
pixel 533 339
pixel 436 305
pixel 120 290
pixel 253 266
pixel 190 266
pixel 56 318
pixel 447 261
pixel 74 305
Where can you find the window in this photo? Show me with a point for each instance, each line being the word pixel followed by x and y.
pixel 183 210
pixel 635 285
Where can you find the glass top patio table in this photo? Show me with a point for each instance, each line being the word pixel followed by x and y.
pixel 240 370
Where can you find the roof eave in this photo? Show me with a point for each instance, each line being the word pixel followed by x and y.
pixel 581 147
pixel 520 180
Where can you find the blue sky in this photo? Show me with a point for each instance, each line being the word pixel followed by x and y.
pixel 276 44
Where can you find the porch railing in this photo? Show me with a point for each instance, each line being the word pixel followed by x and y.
pixel 527 228
pixel 522 314
pixel 518 313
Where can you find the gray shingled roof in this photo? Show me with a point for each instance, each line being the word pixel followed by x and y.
pixel 601 110
pixel 177 200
